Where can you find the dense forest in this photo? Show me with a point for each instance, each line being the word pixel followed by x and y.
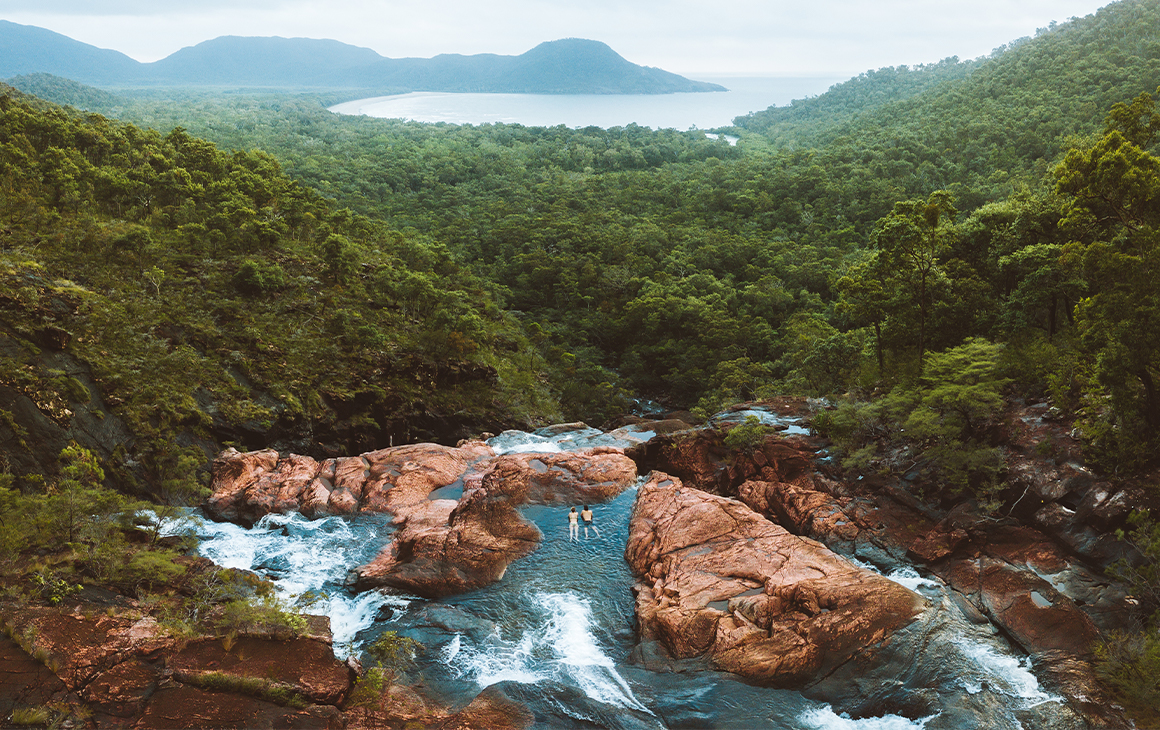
pixel 914 244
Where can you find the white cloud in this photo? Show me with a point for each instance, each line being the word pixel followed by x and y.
pixel 824 37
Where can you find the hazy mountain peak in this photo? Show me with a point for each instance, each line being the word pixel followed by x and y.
pixel 568 65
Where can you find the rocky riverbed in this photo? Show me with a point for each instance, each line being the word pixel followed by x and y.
pixel 718 588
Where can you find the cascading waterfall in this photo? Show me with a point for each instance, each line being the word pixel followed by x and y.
pixel 558 630
pixel 562 647
pixel 306 560
pixel 986 665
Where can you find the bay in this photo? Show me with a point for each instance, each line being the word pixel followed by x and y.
pixel 706 110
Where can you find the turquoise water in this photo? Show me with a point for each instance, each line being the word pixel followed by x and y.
pixel 558 631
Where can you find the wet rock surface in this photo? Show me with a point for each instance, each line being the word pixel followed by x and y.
pixel 1039 583
pixel 122 671
pixel 451 547
pixel 720 581
pixel 442 546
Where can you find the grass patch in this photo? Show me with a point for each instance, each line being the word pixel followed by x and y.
pixel 263 689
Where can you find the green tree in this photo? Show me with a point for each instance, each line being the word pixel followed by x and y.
pixel 78 505
pixel 1112 192
pixel 864 299
pixel 911 241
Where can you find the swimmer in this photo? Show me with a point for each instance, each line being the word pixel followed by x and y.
pixel 586 515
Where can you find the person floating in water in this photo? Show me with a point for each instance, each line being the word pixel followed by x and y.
pixel 574 525
pixel 586 515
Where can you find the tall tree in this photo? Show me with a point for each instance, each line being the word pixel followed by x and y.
pixel 1112 187
pixel 911 241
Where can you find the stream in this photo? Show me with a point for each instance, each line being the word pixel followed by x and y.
pixel 558 631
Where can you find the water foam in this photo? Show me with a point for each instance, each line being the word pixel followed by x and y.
pixel 910 578
pixel 824 718
pixel 545 441
pixel 563 646
pixel 1002 672
pixel 905 576
pixel 300 557
pixel 569 633
pixel 792 424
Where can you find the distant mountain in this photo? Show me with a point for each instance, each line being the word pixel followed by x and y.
pixel 231 60
pixel 569 66
pixel 26 49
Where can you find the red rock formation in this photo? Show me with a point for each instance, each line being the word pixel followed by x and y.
pixel 185 706
pixel 490 709
pixel 25 682
pixel 251 485
pixel 122 671
pixel 579 477
pixel 444 547
pixel 78 647
pixel 720 581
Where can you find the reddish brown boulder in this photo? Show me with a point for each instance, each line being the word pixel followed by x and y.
pixel 940 542
pixel 1028 608
pixel 720 581
pixel 234 473
pixel 579 477
pixel 404 476
pixel 803 508
pixel 404 707
pixel 248 486
pixel 699 458
pixel 472 547
pixel 490 709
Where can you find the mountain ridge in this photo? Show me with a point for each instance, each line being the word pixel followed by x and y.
pixel 565 66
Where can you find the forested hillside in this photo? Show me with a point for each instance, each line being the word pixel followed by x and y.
pixel 664 264
pixel 672 266
pixel 161 295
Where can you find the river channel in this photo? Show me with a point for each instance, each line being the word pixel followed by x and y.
pixel 558 630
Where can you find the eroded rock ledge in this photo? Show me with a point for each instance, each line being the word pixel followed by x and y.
pixel 447 542
pixel 121 669
pixel 717 580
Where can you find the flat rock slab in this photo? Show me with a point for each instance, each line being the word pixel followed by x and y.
pixel 79 647
pixel 184 706
pixel 717 580
pixel 306 665
pixel 25 682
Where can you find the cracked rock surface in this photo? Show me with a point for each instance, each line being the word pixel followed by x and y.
pixel 719 581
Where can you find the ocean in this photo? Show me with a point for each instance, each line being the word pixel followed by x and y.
pixel 710 110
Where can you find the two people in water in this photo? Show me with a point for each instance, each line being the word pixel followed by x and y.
pixel 574 523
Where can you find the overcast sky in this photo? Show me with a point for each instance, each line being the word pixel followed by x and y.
pixel 763 37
